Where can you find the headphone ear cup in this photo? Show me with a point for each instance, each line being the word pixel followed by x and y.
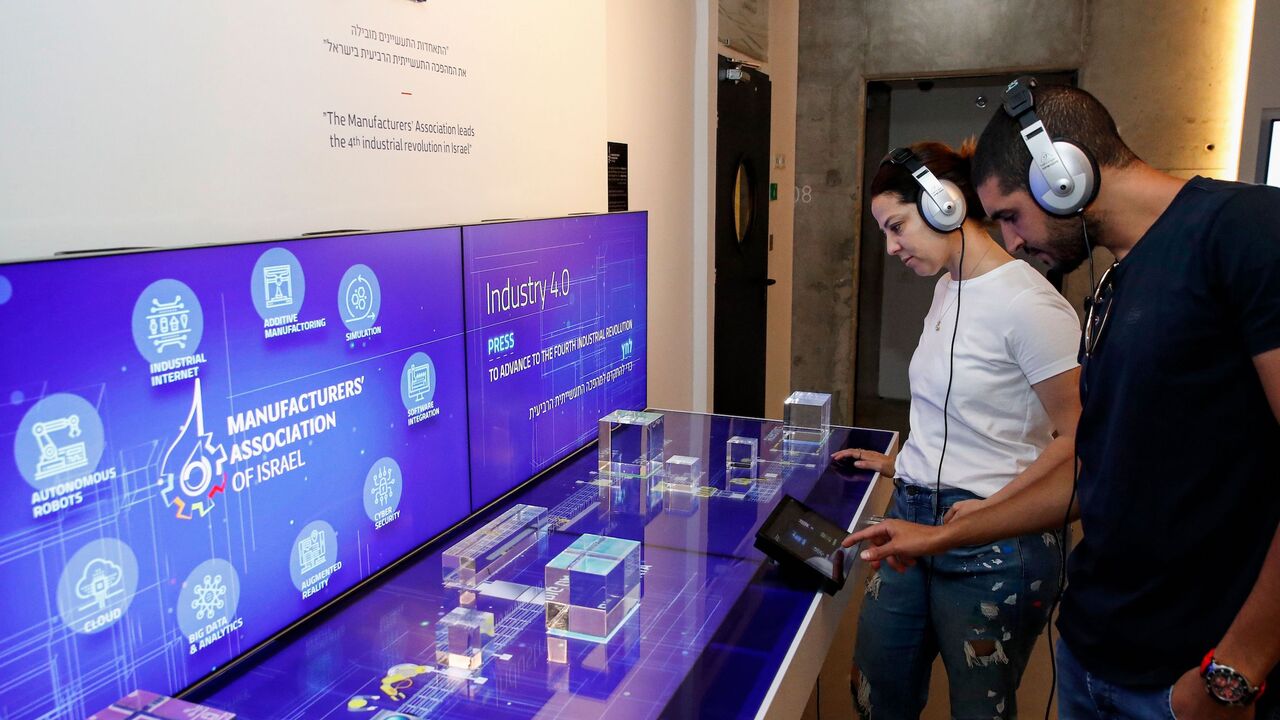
pixel 1082 168
pixel 935 217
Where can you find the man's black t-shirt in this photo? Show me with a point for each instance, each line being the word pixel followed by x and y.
pixel 1179 489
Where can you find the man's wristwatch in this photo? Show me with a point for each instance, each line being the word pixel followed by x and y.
pixel 1227 686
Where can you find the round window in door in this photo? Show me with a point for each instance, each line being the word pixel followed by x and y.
pixel 744 190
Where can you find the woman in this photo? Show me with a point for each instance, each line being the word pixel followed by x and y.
pixel 994 383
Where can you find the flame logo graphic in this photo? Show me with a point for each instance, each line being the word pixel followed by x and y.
pixel 192 487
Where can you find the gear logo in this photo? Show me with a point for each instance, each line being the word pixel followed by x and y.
pixel 192 487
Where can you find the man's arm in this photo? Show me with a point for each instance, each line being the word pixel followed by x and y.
pixel 1252 643
pixel 1039 507
pixel 1253 640
pixel 1060 397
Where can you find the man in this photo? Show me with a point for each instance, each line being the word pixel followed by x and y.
pixel 1178 446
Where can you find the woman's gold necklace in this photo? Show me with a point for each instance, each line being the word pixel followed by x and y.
pixel 937 327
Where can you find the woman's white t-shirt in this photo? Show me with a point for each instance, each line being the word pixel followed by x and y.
pixel 1015 331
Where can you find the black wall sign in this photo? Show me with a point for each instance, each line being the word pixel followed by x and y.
pixel 617 177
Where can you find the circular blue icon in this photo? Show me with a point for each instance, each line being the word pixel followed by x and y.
pixel 167 321
pixel 277 284
pixel 359 298
pixel 209 597
pixel 314 550
pixel 418 381
pixel 59 439
pixel 6 290
pixel 97 585
pixel 383 487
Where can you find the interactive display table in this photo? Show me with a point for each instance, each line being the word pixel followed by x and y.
pixel 461 629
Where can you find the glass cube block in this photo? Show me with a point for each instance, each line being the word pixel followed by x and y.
pixel 557 649
pixel 460 637
pixel 484 552
pixel 681 502
pixel 741 452
pixel 630 444
pixel 592 587
pixel 628 495
pixel 806 421
pixel 683 473
pixel 807 410
pixel 594 669
pixel 741 462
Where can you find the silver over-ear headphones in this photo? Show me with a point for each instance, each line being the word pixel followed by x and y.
pixel 1063 176
pixel 941 203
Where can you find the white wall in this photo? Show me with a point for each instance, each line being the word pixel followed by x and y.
pixel 784 34
pixel 167 124
pixel 141 123
pixel 650 48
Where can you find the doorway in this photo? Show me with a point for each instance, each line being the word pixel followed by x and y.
pixel 892 300
pixel 741 239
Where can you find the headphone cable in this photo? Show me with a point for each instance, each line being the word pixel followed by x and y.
pixel 951 370
pixel 946 401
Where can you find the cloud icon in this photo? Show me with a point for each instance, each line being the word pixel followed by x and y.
pixel 99 582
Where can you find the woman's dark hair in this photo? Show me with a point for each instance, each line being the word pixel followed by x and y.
pixel 943 162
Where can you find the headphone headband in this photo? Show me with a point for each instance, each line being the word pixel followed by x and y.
pixel 1018 100
pixel 1063 177
pixel 945 210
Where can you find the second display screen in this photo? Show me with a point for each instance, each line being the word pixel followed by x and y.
pixel 555 339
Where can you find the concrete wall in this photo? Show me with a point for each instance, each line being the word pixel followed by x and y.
pixel 1166 70
pixel 1264 83
pixel 1162 70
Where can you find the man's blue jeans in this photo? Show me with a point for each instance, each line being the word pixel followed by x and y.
pixel 981 607
pixel 1084 696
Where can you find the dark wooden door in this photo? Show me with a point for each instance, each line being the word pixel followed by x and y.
pixel 742 239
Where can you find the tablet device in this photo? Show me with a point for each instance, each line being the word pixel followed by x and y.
pixel 807 543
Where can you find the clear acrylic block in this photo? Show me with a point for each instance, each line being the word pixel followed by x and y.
pixel 628 495
pixel 806 421
pixel 681 502
pixel 807 410
pixel 684 473
pixel 592 587
pixel 741 462
pixel 484 552
pixel 630 444
pixel 460 638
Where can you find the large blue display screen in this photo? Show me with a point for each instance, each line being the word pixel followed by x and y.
pixel 556 339
pixel 203 445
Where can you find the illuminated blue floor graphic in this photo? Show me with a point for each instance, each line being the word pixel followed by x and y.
pixel 712 627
